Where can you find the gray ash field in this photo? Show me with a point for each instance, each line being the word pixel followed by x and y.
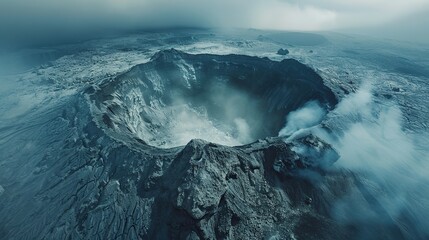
pixel 201 134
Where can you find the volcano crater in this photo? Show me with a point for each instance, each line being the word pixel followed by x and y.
pixel 226 99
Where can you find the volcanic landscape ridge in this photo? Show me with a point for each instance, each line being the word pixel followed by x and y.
pixel 120 163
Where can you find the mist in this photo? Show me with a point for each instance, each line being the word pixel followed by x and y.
pixel 308 116
pixel 392 163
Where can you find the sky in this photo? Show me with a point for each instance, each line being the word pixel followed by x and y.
pixel 401 19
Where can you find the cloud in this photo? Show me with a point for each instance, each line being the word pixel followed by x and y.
pixel 147 13
pixel 21 19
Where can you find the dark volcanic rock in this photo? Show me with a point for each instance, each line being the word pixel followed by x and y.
pixel 283 52
pixel 200 198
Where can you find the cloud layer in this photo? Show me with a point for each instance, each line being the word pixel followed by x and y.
pixel 27 18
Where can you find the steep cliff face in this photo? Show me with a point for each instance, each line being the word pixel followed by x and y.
pixel 99 166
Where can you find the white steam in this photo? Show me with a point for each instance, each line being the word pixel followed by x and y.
pixel 190 124
pixel 393 164
pixel 181 123
pixel 381 144
pixel 358 103
pixel 243 130
pixel 309 115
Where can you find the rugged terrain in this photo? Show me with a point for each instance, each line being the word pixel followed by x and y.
pixel 108 161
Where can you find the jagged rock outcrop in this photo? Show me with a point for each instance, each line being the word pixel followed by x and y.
pixel 216 192
pixel 283 52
